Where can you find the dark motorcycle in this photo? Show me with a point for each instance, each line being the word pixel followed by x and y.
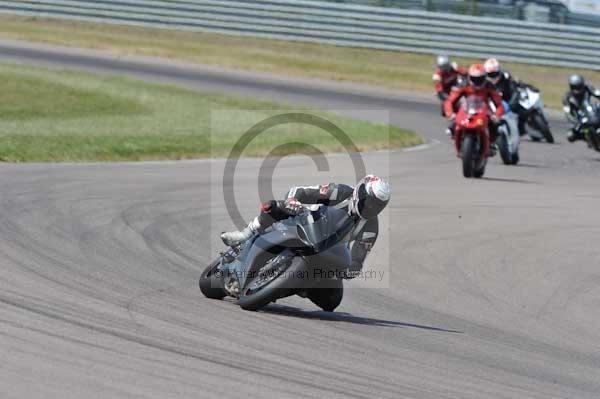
pixel 589 118
pixel 305 255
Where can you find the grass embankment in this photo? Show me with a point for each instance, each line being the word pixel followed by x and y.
pixel 51 116
pixel 383 68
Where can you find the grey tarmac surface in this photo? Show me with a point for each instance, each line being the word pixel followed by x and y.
pixel 493 285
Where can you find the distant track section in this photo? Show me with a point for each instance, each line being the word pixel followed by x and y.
pixel 342 25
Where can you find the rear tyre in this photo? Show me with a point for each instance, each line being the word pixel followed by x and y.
pixel 504 151
pixel 535 139
pixel 542 126
pixel 468 155
pixel 515 158
pixel 479 172
pixel 210 283
pixel 327 298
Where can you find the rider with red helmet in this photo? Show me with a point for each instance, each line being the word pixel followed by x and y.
pixel 477 86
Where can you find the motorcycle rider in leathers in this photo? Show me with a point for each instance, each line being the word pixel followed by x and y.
pixel 507 85
pixel 445 77
pixel 362 202
pixel 573 101
pixel 477 86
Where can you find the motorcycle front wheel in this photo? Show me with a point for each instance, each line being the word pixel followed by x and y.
pixel 504 150
pixel 256 295
pixel 467 150
pixel 541 124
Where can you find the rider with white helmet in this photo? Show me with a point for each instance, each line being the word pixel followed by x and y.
pixel 363 203
pixel 507 85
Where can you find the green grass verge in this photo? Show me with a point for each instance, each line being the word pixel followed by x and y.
pixel 383 68
pixel 52 116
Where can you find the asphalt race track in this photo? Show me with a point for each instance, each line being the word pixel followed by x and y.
pixel 493 284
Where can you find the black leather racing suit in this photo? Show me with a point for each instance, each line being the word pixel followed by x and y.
pixel 507 86
pixel 331 194
pixel 573 102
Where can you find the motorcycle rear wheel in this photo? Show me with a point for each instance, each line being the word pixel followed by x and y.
pixel 327 298
pixel 515 158
pixel 479 172
pixel 210 284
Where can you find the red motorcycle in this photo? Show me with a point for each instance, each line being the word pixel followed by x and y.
pixel 471 136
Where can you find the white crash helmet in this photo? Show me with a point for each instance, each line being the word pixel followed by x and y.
pixel 443 62
pixel 493 70
pixel 371 195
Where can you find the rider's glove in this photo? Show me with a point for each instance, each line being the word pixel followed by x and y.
pixel 452 117
pixel 292 206
pixel 353 271
pixel 350 274
pixel 494 119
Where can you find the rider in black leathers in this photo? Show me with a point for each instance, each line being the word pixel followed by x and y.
pixel 573 101
pixel 363 202
pixel 507 85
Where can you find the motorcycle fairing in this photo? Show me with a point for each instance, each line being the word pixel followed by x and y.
pixel 321 237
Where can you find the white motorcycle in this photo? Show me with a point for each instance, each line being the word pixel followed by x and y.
pixel 536 118
pixel 508 137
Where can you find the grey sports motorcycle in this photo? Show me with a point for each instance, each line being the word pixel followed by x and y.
pixel 305 255
pixel 589 118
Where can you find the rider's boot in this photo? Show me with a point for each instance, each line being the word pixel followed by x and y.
pixel 235 238
pixel 521 125
pixel 493 138
pixel 493 146
pixel 450 130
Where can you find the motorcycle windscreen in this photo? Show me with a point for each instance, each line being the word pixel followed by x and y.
pixel 528 98
pixel 324 228
pixel 475 105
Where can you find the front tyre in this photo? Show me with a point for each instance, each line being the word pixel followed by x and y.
pixel 255 296
pixel 504 150
pixel 210 281
pixel 467 150
pixel 542 125
pixel 593 139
